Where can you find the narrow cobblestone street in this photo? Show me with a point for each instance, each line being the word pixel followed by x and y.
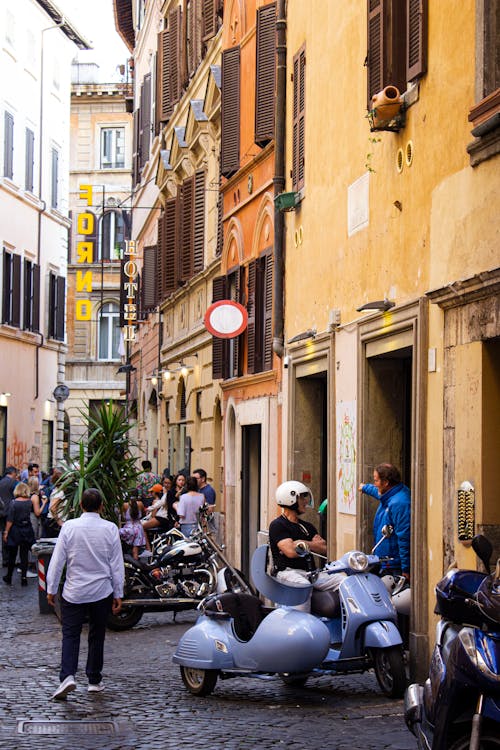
pixel 145 695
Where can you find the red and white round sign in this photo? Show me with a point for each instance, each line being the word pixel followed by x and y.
pixel 226 319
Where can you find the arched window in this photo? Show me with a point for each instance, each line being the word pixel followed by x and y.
pixel 111 236
pixel 108 331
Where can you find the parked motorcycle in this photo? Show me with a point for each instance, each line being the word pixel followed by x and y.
pixel 458 707
pixel 351 630
pixel 179 574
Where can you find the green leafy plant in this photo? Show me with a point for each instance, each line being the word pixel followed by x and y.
pixel 372 140
pixel 105 463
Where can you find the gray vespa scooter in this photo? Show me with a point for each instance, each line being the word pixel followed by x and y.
pixel 351 631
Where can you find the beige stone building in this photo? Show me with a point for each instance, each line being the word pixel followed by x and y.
pixel 101 157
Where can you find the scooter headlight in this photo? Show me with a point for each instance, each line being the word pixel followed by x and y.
pixel 357 561
pixel 477 648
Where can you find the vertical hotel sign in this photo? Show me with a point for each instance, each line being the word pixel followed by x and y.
pixel 85 254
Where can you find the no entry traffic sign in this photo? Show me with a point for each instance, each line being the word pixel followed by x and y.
pixel 226 319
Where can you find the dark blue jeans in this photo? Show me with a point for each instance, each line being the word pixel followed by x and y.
pixel 73 616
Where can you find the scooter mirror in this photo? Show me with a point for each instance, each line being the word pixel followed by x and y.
pixel 302 549
pixel 387 530
pixel 483 549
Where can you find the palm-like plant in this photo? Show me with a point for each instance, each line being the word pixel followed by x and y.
pixel 107 464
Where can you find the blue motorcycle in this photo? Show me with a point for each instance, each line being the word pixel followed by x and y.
pixel 458 707
pixel 349 630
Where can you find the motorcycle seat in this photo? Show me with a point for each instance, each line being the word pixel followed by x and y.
pixel 325 603
pixel 245 610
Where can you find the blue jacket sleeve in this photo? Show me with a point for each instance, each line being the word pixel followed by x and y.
pixel 370 489
pixel 401 515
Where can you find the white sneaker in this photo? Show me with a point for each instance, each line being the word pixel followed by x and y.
pixel 96 688
pixel 31 574
pixel 66 686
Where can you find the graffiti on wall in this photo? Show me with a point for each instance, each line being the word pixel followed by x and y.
pixel 17 453
pixel 346 457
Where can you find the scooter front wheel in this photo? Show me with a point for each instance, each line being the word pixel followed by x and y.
pixel 487 742
pixel 390 670
pixel 199 681
pixel 294 680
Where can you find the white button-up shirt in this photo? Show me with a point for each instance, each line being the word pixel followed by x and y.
pixel 90 548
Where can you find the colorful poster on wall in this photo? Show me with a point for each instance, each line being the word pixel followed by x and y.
pixel 346 457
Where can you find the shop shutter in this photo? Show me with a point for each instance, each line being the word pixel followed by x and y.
pixel 298 135
pixel 417 39
pixel 35 304
pixel 170 229
pixel 61 307
pixel 149 277
pixel 175 44
pixel 251 310
pixel 268 311
pixel 187 230
pixel 230 136
pixel 199 222
pixel 218 348
pixel 265 75
pixel 16 291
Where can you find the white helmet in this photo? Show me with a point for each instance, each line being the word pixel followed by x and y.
pixel 288 492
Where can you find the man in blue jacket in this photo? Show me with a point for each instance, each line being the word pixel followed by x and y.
pixel 394 509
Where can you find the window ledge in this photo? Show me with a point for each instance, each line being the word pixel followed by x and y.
pixel 485 117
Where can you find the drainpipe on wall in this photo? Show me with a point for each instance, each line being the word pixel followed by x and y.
pixel 279 178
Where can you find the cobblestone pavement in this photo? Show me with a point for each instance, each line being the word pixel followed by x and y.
pixel 145 695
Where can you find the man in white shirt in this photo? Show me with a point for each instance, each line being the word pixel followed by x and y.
pixel 90 548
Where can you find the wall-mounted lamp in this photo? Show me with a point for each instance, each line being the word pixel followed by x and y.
pixel 381 305
pixel 6 393
pixel 128 368
pixel 3 398
pixel 309 334
pixel 182 368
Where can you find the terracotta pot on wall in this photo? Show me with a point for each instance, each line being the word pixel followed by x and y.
pixel 385 105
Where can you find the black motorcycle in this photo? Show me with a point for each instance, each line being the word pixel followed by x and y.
pixel 179 574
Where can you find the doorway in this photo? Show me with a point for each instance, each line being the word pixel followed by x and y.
pixel 250 487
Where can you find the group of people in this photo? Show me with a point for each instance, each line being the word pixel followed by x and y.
pixel 28 503
pixel 169 502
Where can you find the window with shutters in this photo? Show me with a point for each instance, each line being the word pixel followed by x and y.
pixel 299 113
pixel 111 239
pixel 230 116
pixel 265 74
pixel 112 148
pixel 397 43
pixel 31 296
pixel 227 353
pixel 54 185
pixel 259 308
pixel 171 230
pixel 11 289
pixel 149 278
pixel 29 160
pixel 8 145
pixel 145 121
pixel 57 297
pixel 108 334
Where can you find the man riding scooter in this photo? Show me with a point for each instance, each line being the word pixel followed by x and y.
pixel 285 531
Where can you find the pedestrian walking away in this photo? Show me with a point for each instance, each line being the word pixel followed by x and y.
pixel 7 484
pixel 90 549
pixel 19 534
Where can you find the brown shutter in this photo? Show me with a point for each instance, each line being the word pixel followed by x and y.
pixel 27 294
pixel 123 294
pixel 199 222
pixel 145 119
pixel 170 240
pixel 174 37
pixel 187 229
pixel 194 35
pixel 265 75
pixel 35 310
pixel 416 39
pixel 61 307
pixel 158 71
pixel 238 340
pixel 149 296
pixel 135 154
pixel 268 311
pixel 299 104
pixel 376 51
pixel 52 306
pixel 218 348
pixel 220 222
pixel 16 291
pixel 251 310
pixel 165 106
pixel 160 259
pixel 230 136
pixel 209 19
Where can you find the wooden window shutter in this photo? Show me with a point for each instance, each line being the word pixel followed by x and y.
pixel 35 300
pixel 135 154
pixel 165 103
pixel 61 307
pixel 376 51
pixel 199 221
pixel 170 241
pixel 298 138
pixel 416 39
pixel 220 223
pixel 52 306
pixel 187 230
pixel 160 260
pixel 149 295
pixel 158 71
pixel 265 75
pixel 16 291
pixel 268 311
pixel 27 294
pixel 209 19
pixel 194 35
pixel 145 119
pixel 218 348
pixel 8 147
pixel 251 310
pixel 123 292
pixel 174 35
pixel 230 136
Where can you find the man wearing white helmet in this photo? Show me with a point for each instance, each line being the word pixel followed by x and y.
pixel 284 533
